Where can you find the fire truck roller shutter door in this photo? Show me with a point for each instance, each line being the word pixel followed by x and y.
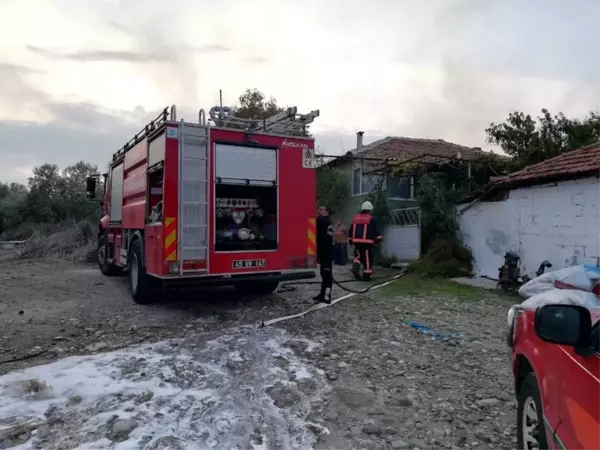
pixel 116 194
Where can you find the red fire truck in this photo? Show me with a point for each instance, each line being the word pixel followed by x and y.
pixel 219 201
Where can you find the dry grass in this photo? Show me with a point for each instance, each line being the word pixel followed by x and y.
pixel 75 241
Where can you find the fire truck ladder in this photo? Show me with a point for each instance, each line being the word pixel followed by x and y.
pixel 287 122
pixel 193 213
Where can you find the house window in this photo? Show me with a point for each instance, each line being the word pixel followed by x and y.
pixel 356 181
pixel 362 183
pixel 401 188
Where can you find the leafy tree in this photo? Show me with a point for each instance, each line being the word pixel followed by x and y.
pixel 529 141
pixel 17 189
pixel 12 197
pixel 333 188
pixel 446 255
pixel 437 204
pixel 75 205
pixel 255 105
pixel 379 199
pixel 47 181
pixel 53 196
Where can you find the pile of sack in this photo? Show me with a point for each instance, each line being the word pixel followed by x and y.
pixel 575 285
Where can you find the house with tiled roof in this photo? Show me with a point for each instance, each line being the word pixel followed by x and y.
pixel 546 211
pixel 364 167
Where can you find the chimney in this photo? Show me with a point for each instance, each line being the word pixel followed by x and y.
pixel 359 139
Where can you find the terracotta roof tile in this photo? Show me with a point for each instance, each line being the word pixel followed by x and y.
pixel 403 148
pixel 580 161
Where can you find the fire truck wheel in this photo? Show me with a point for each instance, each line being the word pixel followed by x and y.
pixel 106 267
pixel 257 287
pixel 141 285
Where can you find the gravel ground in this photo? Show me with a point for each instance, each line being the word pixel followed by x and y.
pixel 392 386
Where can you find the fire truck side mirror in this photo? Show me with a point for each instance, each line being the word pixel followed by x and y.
pixel 90 188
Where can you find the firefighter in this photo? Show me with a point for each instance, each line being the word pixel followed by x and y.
pixel 325 255
pixel 364 234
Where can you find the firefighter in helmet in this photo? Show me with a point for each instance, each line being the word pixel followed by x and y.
pixel 364 234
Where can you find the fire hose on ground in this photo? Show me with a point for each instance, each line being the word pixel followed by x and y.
pixel 351 293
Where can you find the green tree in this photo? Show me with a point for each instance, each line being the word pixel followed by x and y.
pixel 253 104
pixel 12 197
pixel 47 181
pixel 333 188
pixel 445 253
pixel 56 195
pixel 529 141
pixel 438 212
pixel 379 199
pixel 75 204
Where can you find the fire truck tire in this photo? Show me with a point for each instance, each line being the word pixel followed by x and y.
pixel 257 287
pixel 106 267
pixel 141 285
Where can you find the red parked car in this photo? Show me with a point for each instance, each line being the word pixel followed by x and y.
pixel 556 365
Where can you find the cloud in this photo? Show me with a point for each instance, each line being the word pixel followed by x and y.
pixel 78 132
pixel 21 100
pixel 101 55
pixel 489 61
pixel 254 60
pixel 159 55
pixel 86 132
pixel 436 69
pixel 14 69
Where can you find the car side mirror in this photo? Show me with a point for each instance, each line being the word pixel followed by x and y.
pixel 564 325
pixel 90 187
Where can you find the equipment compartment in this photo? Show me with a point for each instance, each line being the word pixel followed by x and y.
pixel 246 218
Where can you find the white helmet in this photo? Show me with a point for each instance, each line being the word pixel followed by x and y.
pixel 367 206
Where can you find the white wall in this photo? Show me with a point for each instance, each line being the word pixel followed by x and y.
pixel 559 222
pixel 402 242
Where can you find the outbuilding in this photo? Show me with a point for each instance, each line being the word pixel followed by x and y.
pixel 546 211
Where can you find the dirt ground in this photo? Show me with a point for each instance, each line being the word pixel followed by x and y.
pixel 392 384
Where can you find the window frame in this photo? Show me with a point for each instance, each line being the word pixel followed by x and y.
pixel 361 190
pixel 357 193
pixel 412 188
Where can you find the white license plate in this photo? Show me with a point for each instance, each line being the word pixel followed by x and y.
pixel 249 263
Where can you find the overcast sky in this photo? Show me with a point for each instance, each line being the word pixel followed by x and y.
pixel 79 78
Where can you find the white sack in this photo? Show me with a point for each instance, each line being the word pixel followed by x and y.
pixel 580 277
pixel 562 297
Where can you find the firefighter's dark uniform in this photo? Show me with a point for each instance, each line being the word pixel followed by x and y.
pixel 364 233
pixel 325 257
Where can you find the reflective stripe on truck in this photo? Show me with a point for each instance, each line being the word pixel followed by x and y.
pixel 312 236
pixel 170 239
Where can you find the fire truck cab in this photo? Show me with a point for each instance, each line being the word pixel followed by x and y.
pixel 220 201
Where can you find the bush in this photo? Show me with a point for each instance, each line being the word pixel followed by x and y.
pixel 445 254
pixel 445 258
pixel 71 239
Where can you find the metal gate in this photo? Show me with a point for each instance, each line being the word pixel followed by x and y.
pixel 402 236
